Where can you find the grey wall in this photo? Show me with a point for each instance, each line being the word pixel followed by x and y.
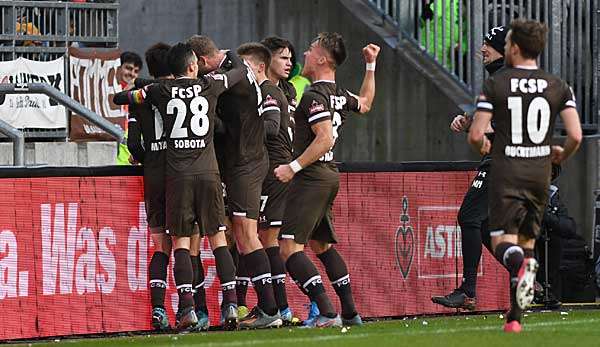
pixel 410 117
pixel 63 153
pixel 145 22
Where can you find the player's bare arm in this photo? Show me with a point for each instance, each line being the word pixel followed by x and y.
pixel 318 147
pixel 367 89
pixel 570 119
pixel 477 139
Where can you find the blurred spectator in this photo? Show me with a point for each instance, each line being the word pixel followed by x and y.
pixel 440 26
pixel 299 82
pixel 557 228
pixel 25 26
pixel 131 64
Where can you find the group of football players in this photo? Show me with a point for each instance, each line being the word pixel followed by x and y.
pixel 215 125
pixel 214 119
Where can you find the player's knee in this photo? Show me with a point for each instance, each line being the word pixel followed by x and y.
pixel 162 243
pixel 218 240
pixel 268 237
pixel 195 245
pixel 319 246
pixel 288 247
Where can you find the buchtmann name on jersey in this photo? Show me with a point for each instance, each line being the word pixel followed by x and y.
pixel 527 152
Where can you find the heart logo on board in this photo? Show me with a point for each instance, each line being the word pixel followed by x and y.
pixel 404 241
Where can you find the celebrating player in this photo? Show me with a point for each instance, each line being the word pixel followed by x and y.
pixel 523 102
pixel 246 165
pixel 315 179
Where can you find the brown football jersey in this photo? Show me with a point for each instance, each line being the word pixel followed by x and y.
pixel 323 100
pixel 238 108
pixel 188 109
pixel 524 104
pixel 274 101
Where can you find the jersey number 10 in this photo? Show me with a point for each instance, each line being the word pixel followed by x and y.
pixel 538 119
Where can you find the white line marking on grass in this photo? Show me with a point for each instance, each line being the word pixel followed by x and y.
pixel 353 336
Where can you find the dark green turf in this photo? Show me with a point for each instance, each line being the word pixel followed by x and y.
pixel 573 328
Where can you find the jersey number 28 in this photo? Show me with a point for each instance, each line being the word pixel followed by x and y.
pixel 198 123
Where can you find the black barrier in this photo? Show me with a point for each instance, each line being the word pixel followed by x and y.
pixel 116 170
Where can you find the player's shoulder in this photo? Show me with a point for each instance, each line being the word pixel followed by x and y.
pixel 288 89
pixel 313 97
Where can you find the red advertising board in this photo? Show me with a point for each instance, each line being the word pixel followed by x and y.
pixel 74 252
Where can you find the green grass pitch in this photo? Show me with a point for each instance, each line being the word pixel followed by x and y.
pixel 565 328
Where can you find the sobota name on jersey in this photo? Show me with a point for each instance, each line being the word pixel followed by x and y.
pixel 190 144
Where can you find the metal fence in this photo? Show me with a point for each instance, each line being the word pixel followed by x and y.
pixel 43 30
pixel 451 32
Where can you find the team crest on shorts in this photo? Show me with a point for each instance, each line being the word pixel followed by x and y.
pixel 404 241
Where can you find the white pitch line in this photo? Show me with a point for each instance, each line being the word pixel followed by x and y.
pixel 354 336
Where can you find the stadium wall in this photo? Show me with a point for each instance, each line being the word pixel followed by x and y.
pixel 74 247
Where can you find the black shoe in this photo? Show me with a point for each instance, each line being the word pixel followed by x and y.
pixel 456 299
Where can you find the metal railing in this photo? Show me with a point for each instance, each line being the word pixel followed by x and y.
pixel 43 30
pixel 451 32
pixel 18 140
pixel 17 136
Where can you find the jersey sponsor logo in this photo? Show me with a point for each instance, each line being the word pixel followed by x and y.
pixel 270 101
pixel 527 152
pixel 316 107
pixel 404 242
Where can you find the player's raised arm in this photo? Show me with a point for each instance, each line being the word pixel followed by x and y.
pixel 367 90
pixel 131 97
pixel 238 72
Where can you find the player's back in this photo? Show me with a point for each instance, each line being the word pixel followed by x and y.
pixel 238 108
pixel 323 100
pixel 525 103
pixel 188 108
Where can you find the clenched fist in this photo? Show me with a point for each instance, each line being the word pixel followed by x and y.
pixel 370 52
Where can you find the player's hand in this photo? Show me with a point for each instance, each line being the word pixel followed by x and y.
pixel 486 147
pixel 133 161
pixel 557 154
pixel 459 123
pixel 370 52
pixel 284 173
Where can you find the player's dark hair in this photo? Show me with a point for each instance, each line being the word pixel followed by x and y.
pixel 333 43
pixel 157 60
pixel 275 43
pixel 133 58
pixel 530 36
pixel 257 51
pixel 179 57
pixel 203 45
